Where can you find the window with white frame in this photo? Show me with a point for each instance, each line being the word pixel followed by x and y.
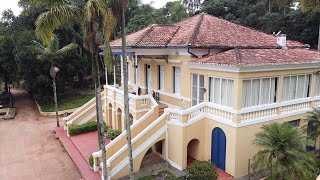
pixel 198 89
pixel 161 77
pixel 317 85
pixel 295 87
pixel 221 91
pixel 176 80
pixel 259 91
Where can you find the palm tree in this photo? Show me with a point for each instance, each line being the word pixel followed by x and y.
pixel 282 152
pixel 52 53
pixel 119 10
pixel 93 11
pixel 314 120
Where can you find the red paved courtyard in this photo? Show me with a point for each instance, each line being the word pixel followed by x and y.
pixel 87 143
pixel 80 147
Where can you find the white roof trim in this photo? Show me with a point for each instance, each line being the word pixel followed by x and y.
pixel 275 67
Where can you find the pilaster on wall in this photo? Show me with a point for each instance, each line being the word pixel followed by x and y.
pixel 237 91
pixel 313 88
pixel 177 147
pixel 279 92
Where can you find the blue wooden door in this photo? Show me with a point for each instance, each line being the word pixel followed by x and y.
pixel 218 148
pixel 311 128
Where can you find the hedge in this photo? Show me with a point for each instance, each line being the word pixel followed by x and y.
pixel 113 133
pixel 202 170
pixel 80 129
pixel 91 161
pixel 88 127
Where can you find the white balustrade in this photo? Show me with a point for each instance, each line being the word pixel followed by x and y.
pixel 317 104
pixel 295 107
pixel 258 114
pixel 174 116
pixel 144 102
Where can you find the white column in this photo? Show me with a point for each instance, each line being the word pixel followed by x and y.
pixel 136 73
pixel 122 78
pixel 114 76
pixel 106 71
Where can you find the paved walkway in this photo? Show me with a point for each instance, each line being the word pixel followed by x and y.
pixel 28 147
pixel 75 154
pixel 87 143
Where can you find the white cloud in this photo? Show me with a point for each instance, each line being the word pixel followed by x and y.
pixel 157 3
pixel 12 4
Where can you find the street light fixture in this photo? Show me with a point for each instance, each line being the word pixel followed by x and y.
pixel 53 72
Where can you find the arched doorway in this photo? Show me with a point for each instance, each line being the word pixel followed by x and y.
pixel 110 115
pixel 151 157
pixel 130 119
pixel 218 148
pixel 119 119
pixel 193 151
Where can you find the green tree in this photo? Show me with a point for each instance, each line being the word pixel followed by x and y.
pixel 282 153
pixel 52 53
pixel 311 5
pixel 8 70
pixel 93 12
pixel 7 63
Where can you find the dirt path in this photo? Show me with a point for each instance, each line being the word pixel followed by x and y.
pixel 28 148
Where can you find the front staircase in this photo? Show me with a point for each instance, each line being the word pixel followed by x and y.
pixel 83 114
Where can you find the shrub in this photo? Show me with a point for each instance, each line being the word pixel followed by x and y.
pixel 202 170
pixel 80 129
pixel 106 128
pixel 91 161
pixel 113 133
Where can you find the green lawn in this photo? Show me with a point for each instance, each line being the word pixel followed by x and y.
pixel 67 102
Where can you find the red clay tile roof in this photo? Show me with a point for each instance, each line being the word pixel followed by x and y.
pixel 260 57
pixel 202 30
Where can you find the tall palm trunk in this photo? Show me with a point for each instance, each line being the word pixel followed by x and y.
pixel 96 74
pixel 126 95
pixel 55 100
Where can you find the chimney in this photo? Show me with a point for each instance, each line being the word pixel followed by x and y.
pixel 282 40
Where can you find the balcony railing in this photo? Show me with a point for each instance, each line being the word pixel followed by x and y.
pixel 136 102
pixel 244 116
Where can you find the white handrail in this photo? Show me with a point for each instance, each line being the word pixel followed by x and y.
pixel 79 109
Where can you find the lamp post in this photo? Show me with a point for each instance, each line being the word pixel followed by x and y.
pixel 53 72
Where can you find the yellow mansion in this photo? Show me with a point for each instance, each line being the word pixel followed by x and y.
pixel 202 88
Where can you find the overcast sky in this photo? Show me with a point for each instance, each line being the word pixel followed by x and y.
pixel 13 4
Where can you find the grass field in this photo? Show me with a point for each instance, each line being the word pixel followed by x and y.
pixel 67 102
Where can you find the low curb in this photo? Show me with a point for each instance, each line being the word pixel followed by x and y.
pixel 60 113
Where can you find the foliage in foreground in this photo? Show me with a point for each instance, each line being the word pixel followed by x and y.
pixel 202 170
pixel 314 119
pixel 282 152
